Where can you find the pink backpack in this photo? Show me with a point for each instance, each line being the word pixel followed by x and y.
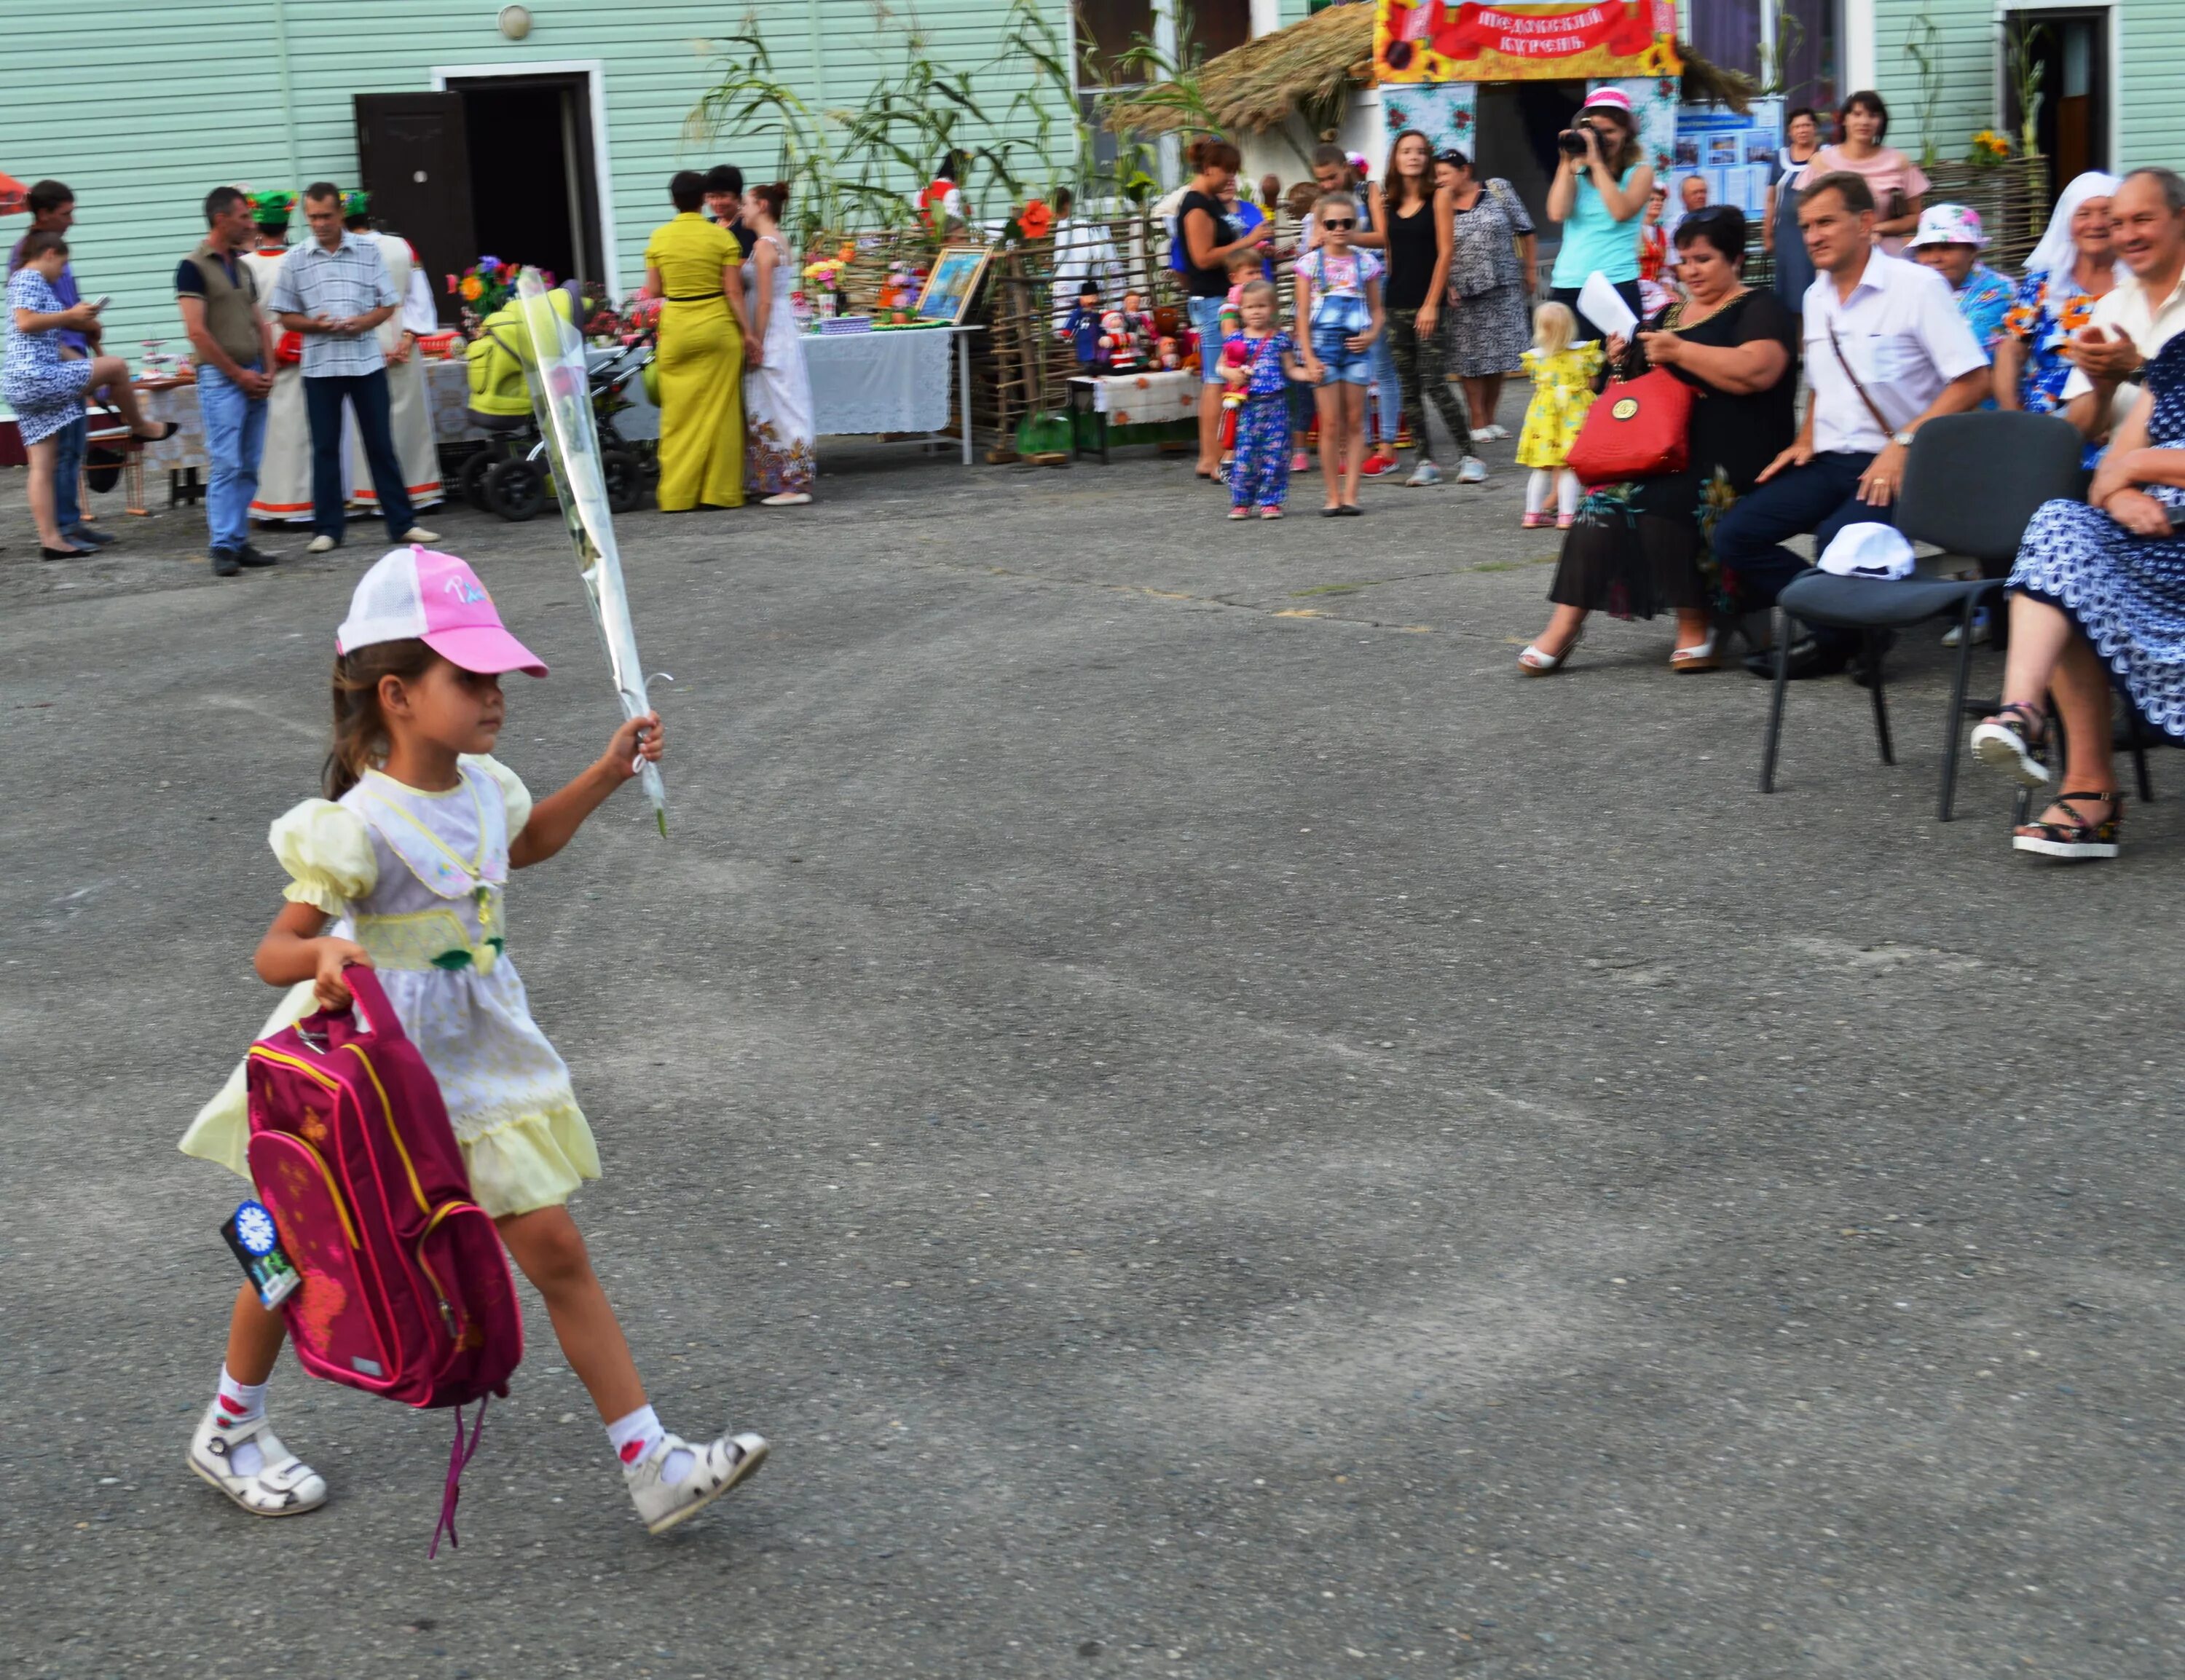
pixel 406 1290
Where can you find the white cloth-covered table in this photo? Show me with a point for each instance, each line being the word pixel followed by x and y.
pixel 186 449
pixel 880 381
pixel 1145 398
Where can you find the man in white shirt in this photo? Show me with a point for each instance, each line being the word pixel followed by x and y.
pixel 2141 313
pixel 1887 351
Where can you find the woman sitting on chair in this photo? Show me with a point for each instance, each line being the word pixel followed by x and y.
pixel 2096 599
pixel 1638 548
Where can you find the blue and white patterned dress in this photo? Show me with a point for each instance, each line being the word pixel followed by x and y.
pixel 1260 477
pixel 45 390
pixel 2126 593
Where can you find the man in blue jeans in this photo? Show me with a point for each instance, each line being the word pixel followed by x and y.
pixel 234 355
pixel 334 290
pixel 53 210
pixel 1887 351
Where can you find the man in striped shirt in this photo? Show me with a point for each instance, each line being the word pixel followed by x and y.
pixel 335 291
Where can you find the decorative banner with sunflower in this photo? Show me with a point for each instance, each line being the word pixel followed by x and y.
pixel 1434 40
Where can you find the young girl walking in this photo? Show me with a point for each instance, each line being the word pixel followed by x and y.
pixel 401 869
pixel 1262 373
pixel 1562 374
pixel 1338 297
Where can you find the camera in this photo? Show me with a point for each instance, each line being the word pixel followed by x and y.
pixel 1571 143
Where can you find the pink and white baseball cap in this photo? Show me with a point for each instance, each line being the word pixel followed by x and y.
pixel 1609 99
pixel 418 593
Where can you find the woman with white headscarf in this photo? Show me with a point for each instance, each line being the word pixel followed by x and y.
pixel 2073 265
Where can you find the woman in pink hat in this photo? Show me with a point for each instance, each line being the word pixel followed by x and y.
pixel 1599 189
pixel 401 869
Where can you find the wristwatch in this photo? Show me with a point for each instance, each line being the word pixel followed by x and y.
pixel 1902 439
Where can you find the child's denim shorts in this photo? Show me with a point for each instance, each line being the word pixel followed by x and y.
pixel 1344 365
pixel 1333 320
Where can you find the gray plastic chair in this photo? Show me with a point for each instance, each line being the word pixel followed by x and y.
pixel 1972 484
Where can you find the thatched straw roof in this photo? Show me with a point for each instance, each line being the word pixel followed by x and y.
pixel 1309 69
pixel 1261 84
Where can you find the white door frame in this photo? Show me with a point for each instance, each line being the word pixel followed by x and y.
pixel 595 72
pixel 2116 33
pixel 1857 41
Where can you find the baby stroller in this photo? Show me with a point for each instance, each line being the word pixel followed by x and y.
pixel 509 475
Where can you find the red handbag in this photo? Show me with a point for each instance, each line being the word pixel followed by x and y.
pixel 1637 428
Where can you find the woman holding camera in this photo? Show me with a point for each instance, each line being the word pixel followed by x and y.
pixel 1601 187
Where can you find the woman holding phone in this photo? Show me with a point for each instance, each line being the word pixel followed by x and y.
pixel 46 388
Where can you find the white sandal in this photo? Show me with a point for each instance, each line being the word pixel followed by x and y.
pixel 721 1466
pixel 284 1486
pixel 1700 656
pixel 1534 663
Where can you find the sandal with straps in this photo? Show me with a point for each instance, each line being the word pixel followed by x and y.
pixel 2078 838
pixel 2013 741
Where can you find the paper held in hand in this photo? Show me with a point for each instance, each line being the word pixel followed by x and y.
pixel 1603 305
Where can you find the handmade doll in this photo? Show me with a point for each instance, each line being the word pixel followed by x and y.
pixel 1166 354
pixel 1083 328
pixel 1142 325
pixel 1119 340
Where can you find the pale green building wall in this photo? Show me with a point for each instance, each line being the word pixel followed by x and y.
pixel 145 109
pixel 2148 66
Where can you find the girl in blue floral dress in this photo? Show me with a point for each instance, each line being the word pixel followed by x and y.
pixel 2098 601
pixel 1259 364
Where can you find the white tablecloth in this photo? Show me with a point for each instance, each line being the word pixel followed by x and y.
pixel 186 449
pixel 880 381
pixel 1143 398
pixel 861 382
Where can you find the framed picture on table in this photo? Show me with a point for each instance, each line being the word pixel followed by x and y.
pixel 953 283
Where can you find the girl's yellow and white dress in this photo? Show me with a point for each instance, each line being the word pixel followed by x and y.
pixel 1562 392
pixel 417 879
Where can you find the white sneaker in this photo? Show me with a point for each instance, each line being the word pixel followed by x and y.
pixel 321 544
pixel 1490 434
pixel 418 533
pixel 1472 470
pixel 284 1485
pixel 1981 630
pixel 1426 474
pixel 720 1466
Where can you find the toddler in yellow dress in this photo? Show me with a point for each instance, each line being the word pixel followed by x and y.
pixel 1563 375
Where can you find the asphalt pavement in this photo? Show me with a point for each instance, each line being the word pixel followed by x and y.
pixel 1221 1131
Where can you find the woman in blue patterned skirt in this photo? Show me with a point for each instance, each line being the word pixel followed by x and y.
pixel 45 387
pixel 2098 598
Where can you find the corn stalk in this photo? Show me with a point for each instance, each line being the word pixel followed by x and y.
pixel 2022 43
pixel 1923 45
pixel 749 99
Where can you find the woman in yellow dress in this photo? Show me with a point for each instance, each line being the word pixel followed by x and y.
pixel 694 263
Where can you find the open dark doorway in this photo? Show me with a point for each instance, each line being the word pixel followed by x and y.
pixel 2072 48
pixel 534 196
pixel 1514 129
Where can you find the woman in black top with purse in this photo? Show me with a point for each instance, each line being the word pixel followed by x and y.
pixel 1640 547
pixel 1415 217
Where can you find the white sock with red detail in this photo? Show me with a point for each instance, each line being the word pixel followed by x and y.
pixel 239 1403
pixel 637 1434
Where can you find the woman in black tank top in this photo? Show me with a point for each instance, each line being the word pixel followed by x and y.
pixel 1415 219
